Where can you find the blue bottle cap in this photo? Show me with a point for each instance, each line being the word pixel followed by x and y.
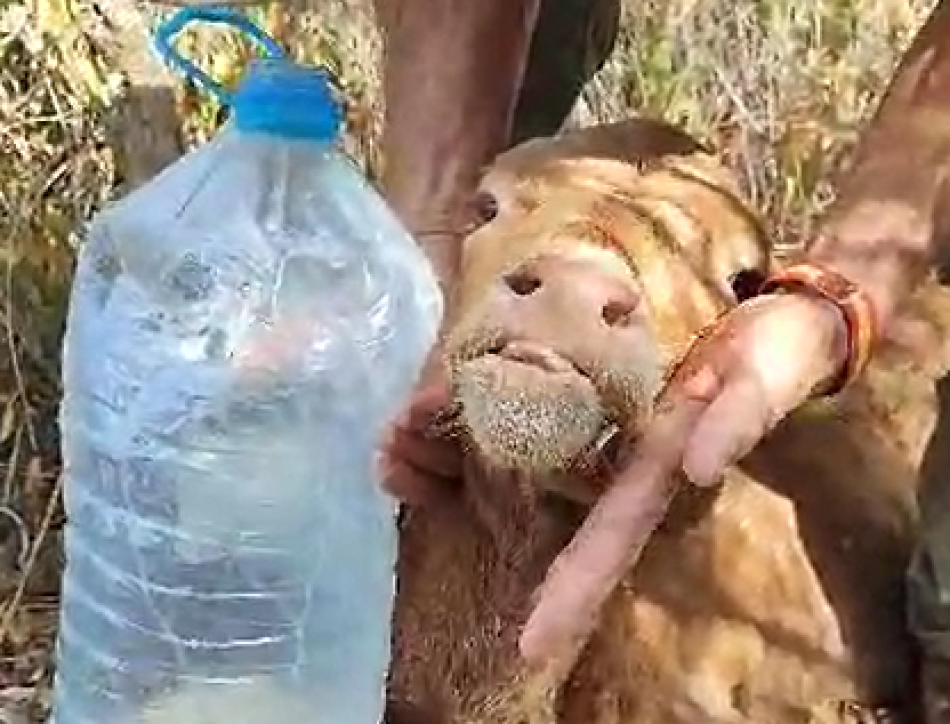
pixel 283 98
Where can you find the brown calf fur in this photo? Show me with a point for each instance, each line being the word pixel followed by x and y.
pixel 776 598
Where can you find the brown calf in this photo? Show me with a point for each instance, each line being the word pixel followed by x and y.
pixel 776 598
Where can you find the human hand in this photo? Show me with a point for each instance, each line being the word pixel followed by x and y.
pixel 759 362
pixel 419 461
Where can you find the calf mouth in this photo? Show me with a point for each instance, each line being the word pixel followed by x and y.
pixel 501 349
pixel 537 356
pixel 528 406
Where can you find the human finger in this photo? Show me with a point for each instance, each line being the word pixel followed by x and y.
pixel 426 408
pixel 431 451
pixel 615 532
pixel 733 424
pixel 412 486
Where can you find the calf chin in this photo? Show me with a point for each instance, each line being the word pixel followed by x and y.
pixel 522 417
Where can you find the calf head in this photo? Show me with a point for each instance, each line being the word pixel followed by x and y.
pixel 602 254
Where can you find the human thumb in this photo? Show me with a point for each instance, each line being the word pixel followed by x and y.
pixel 731 426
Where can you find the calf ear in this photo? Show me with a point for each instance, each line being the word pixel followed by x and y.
pixel 634 140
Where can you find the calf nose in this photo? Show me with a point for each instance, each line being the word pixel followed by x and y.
pixel 577 289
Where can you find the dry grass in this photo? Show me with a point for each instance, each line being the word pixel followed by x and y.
pixel 780 85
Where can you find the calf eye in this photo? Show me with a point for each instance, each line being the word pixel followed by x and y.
pixel 486 207
pixel 482 208
pixel 746 283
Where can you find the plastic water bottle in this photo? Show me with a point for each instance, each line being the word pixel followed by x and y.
pixel 241 330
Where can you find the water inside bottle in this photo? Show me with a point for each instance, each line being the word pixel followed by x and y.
pixel 229 376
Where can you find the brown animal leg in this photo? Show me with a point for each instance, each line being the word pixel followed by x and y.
pixel 452 72
pixel 463 82
pixel 572 41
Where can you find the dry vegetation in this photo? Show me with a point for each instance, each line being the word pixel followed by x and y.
pixel 780 85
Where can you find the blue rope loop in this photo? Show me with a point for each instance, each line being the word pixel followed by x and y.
pixel 167 32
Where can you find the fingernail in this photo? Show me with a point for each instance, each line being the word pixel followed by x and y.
pixel 527 647
pixel 538 649
pixel 532 647
pixel 704 480
pixel 704 473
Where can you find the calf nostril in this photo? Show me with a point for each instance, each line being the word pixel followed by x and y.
pixel 522 283
pixel 618 313
pixel 746 283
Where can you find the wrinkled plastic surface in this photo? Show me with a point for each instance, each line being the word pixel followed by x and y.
pixel 240 331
